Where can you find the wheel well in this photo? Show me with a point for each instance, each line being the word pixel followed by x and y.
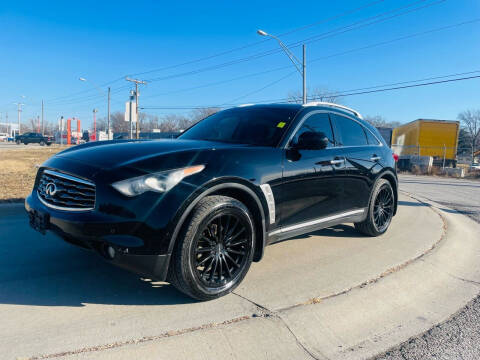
pixel 252 206
pixel 391 179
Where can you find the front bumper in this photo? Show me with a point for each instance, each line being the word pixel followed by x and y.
pixel 99 232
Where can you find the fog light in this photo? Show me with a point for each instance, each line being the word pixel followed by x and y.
pixel 111 252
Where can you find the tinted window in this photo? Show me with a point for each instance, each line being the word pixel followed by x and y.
pixel 372 140
pixel 255 126
pixel 319 123
pixel 351 132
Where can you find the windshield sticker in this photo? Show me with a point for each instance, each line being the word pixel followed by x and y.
pixel 281 124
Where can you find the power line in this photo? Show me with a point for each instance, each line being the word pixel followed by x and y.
pixel 323 58
pixel 65 99
pixel 410 86
pixel 339 94
pixel 260 89
pixel 338 31
pixel 226 52
pixel 335 17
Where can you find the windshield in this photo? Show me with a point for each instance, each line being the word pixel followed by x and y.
pixel 253 126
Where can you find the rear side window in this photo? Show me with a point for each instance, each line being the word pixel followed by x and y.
pixel 319 123
pixel 351 132
pixel 372 140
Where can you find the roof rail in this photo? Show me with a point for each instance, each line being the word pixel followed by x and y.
pixel 322 103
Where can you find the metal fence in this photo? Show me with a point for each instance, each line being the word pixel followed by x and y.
pixel 429 157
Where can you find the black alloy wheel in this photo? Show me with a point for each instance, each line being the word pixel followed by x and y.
pixel 222 250
pixel 215 249
pixel 380 210
pixel 383 208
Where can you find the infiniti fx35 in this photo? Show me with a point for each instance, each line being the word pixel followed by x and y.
pixel 197 210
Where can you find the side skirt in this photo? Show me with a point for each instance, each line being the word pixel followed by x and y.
pixel 356 215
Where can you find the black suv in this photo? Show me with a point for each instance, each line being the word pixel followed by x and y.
pixel 196 210
pixel 34 138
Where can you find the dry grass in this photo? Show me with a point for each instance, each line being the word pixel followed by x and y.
pixel 18 169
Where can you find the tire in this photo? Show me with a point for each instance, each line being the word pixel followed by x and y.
pixel 214 250
pixel 18 142
pixel 48 144
pixel 42 143
pixel 380 210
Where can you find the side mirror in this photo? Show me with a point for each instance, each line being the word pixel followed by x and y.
pixel 310 140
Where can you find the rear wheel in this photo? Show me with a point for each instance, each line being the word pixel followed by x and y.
pixel 215 250
pixel 42 143
pixel 380 210
pixel 18 142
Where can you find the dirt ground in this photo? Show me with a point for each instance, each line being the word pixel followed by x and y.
pixel 18 168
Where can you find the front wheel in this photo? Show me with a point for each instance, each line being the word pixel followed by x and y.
pixel 42 143
pixel 380 210
pixel 215 249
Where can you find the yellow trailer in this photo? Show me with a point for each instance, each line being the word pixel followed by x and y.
pixel 423 137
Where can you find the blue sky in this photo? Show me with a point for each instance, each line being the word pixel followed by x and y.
pixel 46 46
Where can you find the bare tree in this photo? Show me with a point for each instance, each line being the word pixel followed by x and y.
pixel 118 123
pixel 379 121
pixel 316 94
pixel 471 121
pixel 200 114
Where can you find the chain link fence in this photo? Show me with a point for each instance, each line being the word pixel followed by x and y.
pixel 436 160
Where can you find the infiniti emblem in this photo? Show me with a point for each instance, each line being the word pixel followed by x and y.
pixel 50 189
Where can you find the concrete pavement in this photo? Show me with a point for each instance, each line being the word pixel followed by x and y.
pixel 331 294
pixel 458 337
pixel 462 195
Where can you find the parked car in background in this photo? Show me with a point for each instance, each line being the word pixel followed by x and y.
pixel 34 138
pixel 197 210
pixel 3 137
pixel 475 166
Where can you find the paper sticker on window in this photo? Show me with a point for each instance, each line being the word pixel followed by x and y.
pixel 281 124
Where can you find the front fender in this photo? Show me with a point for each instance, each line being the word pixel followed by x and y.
pixel 212 187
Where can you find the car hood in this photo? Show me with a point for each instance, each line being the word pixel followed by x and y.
pixel 112 154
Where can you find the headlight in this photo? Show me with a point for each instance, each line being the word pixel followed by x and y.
pixel 159 182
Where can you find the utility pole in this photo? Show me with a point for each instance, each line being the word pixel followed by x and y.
pixel 108 115
pixel 136 81
pixel 304 74
pixel 43 124
pixel 9 127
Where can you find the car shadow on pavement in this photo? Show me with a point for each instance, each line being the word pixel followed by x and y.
pixel 62 275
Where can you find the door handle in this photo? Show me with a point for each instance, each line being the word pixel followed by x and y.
pixel 375 158
pixel 337 161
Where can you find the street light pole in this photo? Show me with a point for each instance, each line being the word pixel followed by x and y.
pixel 300 66
pixel 108 114
pixel 108 104
pixel 43 124
pixel 95 124
pixel 19 110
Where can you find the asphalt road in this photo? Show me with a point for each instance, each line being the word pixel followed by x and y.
pixel 459 337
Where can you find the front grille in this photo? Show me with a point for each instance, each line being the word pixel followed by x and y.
pixel 66 192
